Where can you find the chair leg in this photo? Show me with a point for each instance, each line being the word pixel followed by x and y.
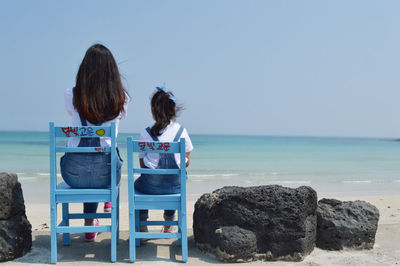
pixel 113 231
pixel 137 226
pixel 179 227
pixel 53 234
pixel 184 240
pixel 132 231
pixel 118 218
pixel 65 215
pixel 180 239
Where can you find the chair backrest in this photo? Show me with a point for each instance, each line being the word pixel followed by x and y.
pixel 81 132
pixel 139 146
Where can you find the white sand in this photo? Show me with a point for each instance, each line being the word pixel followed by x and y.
pixel 166 252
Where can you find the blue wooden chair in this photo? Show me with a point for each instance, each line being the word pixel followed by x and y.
pixel 139 201
pixel 62 193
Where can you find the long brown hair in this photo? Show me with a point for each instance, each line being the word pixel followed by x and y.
pixel 98 94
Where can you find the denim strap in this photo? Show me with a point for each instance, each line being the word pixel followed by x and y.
pixel 83 121
pixel 178 134
pixel 148 129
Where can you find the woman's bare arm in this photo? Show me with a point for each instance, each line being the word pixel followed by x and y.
pixel 188 159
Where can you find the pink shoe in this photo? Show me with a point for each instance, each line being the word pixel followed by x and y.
pixel 107 206
pixel 168 229
pixel 90 237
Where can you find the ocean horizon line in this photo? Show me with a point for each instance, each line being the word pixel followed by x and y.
pixel 238 135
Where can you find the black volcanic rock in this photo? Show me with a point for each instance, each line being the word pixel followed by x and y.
pixel 265 222
pixel 351 224
pixel 15 229
pixel 11 198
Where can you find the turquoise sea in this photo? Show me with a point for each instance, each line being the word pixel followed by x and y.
pixel 330 165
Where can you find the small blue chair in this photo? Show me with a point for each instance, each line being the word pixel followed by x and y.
pixel 139 201
pixel 64 194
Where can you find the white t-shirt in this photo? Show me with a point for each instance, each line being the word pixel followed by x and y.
pixel 167 135
pixel 76 121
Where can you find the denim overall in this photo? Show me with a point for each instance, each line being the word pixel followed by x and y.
pixel 88 170
pixel 161 184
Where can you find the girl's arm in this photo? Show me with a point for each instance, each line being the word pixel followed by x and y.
pixel 188 159
pixel 141 162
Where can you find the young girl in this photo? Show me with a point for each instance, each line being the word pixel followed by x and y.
pixel 98 98
pixel 165 129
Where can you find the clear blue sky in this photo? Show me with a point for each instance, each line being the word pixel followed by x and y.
pixel 321 68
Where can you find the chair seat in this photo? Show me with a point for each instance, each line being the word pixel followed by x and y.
pixel 64 186
pixel 65 193
pixel 147 201
pixel 139 196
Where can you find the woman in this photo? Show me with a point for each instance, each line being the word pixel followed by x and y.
pixel 98 98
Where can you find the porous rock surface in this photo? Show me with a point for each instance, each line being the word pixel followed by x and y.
pixel 350 224
pixel 15 229
pixel 265 222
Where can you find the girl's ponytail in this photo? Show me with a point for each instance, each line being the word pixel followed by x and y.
pixel 164 109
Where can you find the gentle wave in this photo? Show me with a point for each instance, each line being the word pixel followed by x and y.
pixel 14 142
pixel 228 175
pixel 213 175
pixel 293 182
pixel 357 181
pixel 196 175
pixel 29 178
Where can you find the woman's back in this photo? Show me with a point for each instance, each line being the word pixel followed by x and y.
pixel 76 120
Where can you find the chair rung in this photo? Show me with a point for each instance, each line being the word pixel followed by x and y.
pixel 83 229
pixel 157 171
pixel 157 235
pixel 83 195
pixel 82 198
pixel 83 149
pixel 158 222
pixel 89 215
pixel 157 198
pixel 149 205
pixel 72 191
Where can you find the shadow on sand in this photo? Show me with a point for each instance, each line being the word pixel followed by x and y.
pixel 82 252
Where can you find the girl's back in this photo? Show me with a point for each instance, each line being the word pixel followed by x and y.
pixel 165 129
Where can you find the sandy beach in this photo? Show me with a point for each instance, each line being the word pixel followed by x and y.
pixel 284 93
pixel 166 252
